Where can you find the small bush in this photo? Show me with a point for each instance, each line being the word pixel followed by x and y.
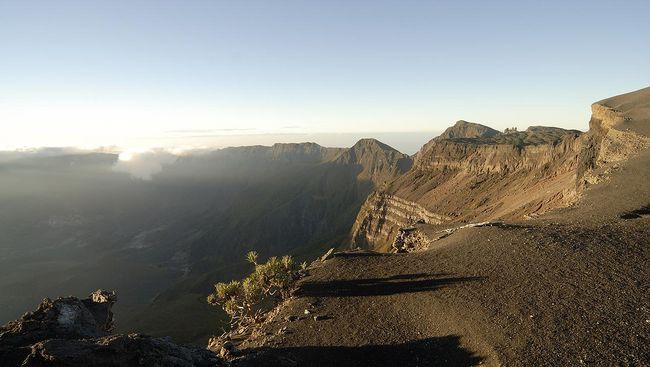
pixel 246 301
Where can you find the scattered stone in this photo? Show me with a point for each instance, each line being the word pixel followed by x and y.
pixel 102 296
pixel 320 317
pixel 291 318
pixel 228 350
pixel 328 255
pixel 307 312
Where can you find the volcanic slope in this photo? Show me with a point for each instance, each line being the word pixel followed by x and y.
pixel 568 287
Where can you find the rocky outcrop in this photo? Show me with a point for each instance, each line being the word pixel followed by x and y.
pixel 73 332
pixel 611 139
pixel 465 129
pixel 409 239
pixel 382 217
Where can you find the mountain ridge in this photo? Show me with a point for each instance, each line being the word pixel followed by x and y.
pixel 462 178
pixel 537 241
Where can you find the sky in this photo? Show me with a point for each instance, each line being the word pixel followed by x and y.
pixel 139 74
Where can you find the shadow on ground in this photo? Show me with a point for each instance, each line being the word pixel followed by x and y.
pixel 360 254
pixel 638 213
pixel 440 351
pixel 405 283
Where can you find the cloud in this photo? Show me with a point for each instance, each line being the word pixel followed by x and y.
pixel 143 165
pixel 209 131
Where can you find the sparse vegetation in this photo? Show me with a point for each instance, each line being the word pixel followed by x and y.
pixel 247 300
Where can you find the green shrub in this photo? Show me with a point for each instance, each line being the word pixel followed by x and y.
pixel 247 300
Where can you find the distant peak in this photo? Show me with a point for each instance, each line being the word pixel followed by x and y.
pixel 373 143
pixel 367 141
pixel 466 129
pixel 379 162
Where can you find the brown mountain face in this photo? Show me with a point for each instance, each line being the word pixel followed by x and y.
pixel 619 128
pixel 379 161
pixel 472 173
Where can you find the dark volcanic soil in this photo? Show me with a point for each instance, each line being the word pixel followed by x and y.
pixel 570 288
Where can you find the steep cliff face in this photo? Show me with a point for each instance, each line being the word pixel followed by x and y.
pixel 467 179
pixel 619 128
pixel 486 158
pixel 473 173
pixel 383 214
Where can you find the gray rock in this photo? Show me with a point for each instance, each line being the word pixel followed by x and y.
pixel 73 332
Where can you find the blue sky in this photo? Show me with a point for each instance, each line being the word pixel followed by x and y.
pixel 164 73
